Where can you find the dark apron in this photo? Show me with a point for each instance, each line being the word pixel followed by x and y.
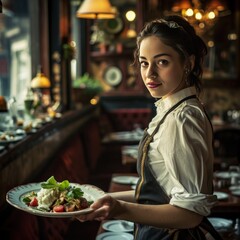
pixel 148 191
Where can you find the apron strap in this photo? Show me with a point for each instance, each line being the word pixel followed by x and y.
pixel 170 110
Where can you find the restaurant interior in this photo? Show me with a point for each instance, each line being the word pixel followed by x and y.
pixel 73 106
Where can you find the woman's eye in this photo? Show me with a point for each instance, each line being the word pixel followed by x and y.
pixel 143 64
pixel 163 62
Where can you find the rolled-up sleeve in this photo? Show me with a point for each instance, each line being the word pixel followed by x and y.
pixel 199 203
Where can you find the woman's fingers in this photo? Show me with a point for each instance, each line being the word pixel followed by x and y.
pixel 98 214
pixel 106 199
pixel 102 209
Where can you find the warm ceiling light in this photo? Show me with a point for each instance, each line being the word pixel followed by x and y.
pixel 211 15
pixel 130 15
pixel 96 9
pixel 189 12
pixel 198 16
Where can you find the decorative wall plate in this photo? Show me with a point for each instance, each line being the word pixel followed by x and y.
pixel 113 26
pixel 113 76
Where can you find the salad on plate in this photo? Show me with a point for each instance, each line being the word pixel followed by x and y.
pixel 54 199
pixel 57 197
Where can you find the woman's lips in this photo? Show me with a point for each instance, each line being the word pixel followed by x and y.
pixel 153 85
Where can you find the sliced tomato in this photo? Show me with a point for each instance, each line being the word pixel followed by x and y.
pixel 58 208
pixel 34 202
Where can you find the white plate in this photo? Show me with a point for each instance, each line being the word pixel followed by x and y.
pixel 133 186
pixel 113 76
pixel 227 175
pixel 115 236
pixel 125 136
pixel 234 188
pixel 16 195
pixel 121 135
pixel 2 148
pixel 13 140
pixel 221 195
pixel 118 226
pixel 221 223
pixel 125 179
pixel 130 152
pixel 236 193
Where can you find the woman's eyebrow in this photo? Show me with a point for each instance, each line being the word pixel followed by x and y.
pixel 158 55
pixel 162 54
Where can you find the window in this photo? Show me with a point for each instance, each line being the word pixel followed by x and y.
pixel 15 49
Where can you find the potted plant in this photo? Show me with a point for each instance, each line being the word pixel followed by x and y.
pixel 85 88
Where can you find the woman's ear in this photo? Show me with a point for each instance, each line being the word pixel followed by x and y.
pixel 191 62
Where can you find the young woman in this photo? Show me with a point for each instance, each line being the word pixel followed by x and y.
pixel 174 193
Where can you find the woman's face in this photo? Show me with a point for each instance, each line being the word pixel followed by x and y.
pixel 161 68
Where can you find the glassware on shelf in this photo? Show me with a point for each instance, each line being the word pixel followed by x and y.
pixel 13 109
pixel 29 102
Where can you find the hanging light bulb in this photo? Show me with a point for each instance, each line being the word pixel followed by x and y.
pixel 130 15
pixel 211 15
pixel 198 15
pixel 189 12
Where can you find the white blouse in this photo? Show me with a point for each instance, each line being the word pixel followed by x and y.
pixel 181 154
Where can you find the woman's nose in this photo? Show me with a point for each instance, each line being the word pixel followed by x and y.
pixel 151 72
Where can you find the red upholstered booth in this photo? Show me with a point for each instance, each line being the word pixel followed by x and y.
pixel 126 119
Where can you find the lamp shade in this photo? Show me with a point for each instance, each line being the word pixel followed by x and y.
pixel 40 81
pixel 96 9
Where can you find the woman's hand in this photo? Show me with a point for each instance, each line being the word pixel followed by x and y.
pixel 104 208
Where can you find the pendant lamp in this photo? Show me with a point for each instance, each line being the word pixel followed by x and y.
pixel 40 81
pixel 96 9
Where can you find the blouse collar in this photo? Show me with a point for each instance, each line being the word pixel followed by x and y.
pixel 168 102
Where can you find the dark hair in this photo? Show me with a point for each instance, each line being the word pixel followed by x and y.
pixel 176 32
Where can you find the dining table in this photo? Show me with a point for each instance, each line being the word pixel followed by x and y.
pixel 123 137
pixel 129 154
pixel 228 206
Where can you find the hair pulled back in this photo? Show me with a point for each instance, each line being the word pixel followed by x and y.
pixel 176 32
